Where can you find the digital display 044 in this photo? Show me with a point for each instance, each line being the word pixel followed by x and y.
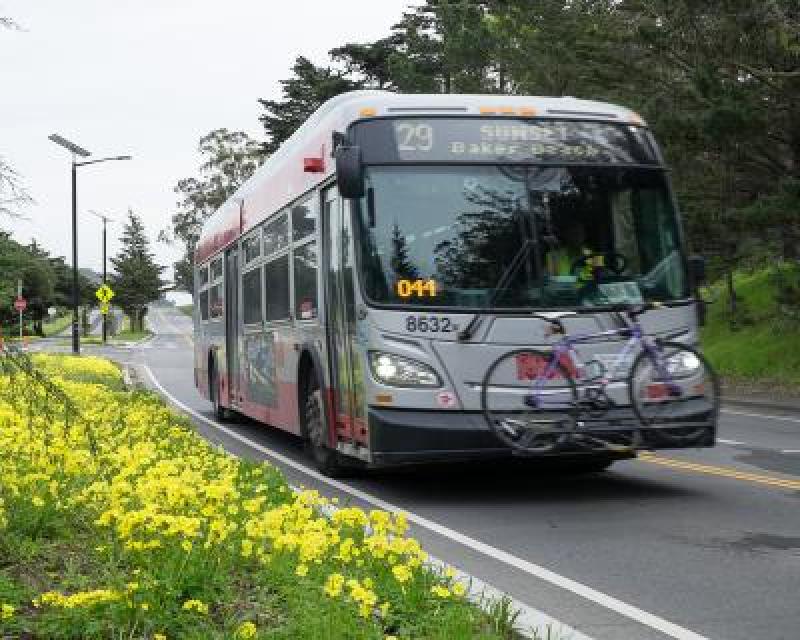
pixel 416 288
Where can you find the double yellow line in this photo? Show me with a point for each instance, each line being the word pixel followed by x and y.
pixel 725 472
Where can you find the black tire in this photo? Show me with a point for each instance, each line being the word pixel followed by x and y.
pixel 700 403
pixel 526 429
pixel 223 414
pixel 326 460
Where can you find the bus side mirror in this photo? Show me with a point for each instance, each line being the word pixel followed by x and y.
pixel 697 270
pixel 349 172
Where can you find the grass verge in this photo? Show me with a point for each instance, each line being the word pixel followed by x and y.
pixel 118 520
pixel 187 309
pixel 763 351
pixel 57 325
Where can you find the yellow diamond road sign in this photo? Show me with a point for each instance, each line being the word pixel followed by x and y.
pixel 104 294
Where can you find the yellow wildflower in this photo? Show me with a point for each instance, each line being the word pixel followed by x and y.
pixel 196 605
pixel 439 591
pixel 333 585
pixel 401 573
pixel 246 631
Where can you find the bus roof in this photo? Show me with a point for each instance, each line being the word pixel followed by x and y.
pixel 304 160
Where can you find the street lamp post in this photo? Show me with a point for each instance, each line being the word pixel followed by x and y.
pixel 105 219
pixel 77 151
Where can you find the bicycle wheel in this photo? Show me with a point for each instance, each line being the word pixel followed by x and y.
pixel 674 383
pixel 527 405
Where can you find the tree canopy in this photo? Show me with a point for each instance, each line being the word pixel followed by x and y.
pixel 137 277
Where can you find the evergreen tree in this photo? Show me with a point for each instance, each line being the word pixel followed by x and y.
pixel 400 262
pixel 302 95
pixel 137 278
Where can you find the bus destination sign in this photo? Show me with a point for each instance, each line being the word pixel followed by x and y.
pixel 502 141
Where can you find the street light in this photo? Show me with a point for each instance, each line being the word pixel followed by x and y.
pixel 75 150
pixel 105 219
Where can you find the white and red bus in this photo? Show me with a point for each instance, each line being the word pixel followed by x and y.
pixel 333 289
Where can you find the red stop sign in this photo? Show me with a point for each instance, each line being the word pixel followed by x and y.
pixel 20 304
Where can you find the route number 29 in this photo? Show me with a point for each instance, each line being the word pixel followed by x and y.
pixel 412 136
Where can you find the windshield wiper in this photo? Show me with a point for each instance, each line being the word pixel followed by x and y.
pixel 510 272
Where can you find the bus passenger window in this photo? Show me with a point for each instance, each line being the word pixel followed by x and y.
pixel 276 288
pixel 305 281
pixel 215 306
pixel 204 305
pixel 276 235
pixel 252 248
pixel 251 297
pixel 304 220
pixel 216 270
pixel 202 276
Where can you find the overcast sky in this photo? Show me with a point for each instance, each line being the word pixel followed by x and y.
pixel 146 78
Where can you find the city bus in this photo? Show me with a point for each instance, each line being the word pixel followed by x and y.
pixel 356 288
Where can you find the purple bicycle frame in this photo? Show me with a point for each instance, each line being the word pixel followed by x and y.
pixel 567 346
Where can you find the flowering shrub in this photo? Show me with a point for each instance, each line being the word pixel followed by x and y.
pixel 179 539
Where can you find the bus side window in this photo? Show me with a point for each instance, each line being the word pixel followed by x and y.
pixel 304 219
pixel 305 281
pixel 276 288
pixel 216 305
pixel 251 296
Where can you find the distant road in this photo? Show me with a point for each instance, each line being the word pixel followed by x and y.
pixel 698 543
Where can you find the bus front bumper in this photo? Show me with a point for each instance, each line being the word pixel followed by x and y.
pixel 403 436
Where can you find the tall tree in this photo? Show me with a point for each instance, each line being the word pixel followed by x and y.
pixel 369 63
pixel 445 46
pixel 303 93
pixel 137 277
pixel 229 158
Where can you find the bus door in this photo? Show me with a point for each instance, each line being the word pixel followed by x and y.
pixel 346 368
pixel 232 324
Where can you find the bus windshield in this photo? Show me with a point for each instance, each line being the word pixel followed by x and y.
pixel 518 236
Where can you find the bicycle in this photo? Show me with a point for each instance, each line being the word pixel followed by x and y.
pixel 535 401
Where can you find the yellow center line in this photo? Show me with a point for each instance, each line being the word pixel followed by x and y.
pixel 725 472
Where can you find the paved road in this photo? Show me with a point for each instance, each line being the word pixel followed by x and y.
pixel 708 540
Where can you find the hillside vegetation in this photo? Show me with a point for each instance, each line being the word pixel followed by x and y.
pixel 763 346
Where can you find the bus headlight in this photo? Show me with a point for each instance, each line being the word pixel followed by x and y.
pixel 398 371
pixel 683 364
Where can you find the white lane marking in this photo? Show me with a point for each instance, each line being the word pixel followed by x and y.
pixel 598 597
pixel 744 444
pixel 761 415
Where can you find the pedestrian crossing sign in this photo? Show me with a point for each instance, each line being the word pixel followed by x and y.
pixel 104 294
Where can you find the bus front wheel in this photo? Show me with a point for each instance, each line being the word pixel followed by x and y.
pixel 326 460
